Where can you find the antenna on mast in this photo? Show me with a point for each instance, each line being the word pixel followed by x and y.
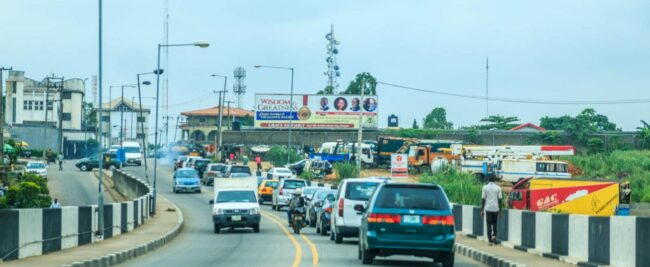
pixel 332 67
pixel 239 88
pixel 487 103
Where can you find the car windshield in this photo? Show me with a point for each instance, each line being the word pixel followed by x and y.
pixel 273 184
pixel 186 174
pixel 131 150
pixel 360 190
pixel 283 171
pixel 241 169
pixel 308 191
pixel 239 175
pixel 236 196
pixel 35 166
pixel 218 168
pixel 411 197
pixel 202 163
pixel 293 184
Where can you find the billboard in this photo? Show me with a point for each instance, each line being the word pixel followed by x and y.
pixel 273 111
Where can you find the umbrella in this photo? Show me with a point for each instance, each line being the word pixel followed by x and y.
pixel 9 149
pixel 22 144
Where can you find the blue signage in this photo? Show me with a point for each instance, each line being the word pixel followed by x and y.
pixel 121 155
pixel 275 115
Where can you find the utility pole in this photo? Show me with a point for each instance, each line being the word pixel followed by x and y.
pixel 2 118
pixel 100 194
pixel 487 104
pixel 46 107
pixel 60 143
pixel 360 133
pixel 166 118
pixel 217 148
pixel 178 120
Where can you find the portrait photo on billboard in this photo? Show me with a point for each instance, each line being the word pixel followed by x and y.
pixel 355 105
pixel 370 104
pixel 324 104
pixel 340 104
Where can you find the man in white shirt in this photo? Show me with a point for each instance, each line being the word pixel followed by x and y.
pixel 491 208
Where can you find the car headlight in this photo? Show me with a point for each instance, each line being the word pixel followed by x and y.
pixel 178 182
pixel 217 211
pixel 255 211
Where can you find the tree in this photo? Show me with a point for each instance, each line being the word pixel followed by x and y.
pixel 644 133
pixel 498 122
pixel 89 117
pixel 580 127
pixel 437 119
pixel 415 124
pixel 328 90
pixel 370 87
pixel 247 120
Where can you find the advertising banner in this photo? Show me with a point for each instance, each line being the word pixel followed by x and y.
pixel 273 111
pixel 399 166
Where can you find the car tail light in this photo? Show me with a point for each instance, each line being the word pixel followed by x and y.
pixel 341 202
pixel 328 209
pixel 280 192
pixel 438 220
pixel 384 218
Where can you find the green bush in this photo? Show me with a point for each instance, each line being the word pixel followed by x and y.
pixel 345 170
pixel 30 192
pixel 461 188
pixel 277 155
pixel 309 176
pixel 595 145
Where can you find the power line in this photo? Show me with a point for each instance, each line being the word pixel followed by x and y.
pixel 525 101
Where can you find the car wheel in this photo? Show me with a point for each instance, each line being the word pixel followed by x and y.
pixel 331 235
pixel 367 257
pixel 323 231
pixel 83 167
pixel 312 223
pixel 198 191
pixel 318 228
pixel 272 206
pixel 338 239
pixel 217 228
pixel 448 259
pixel 256 228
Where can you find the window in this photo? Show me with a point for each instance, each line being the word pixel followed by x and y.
pixel 141 119
pixel 202 120
pixel 66 116
pixel 50 105
pixel 27 105
pixel 106 118
pixel 139 136
pixel 38 105
pixel 411 197
pixel 541 167
pixel 360 190
pixel 66 95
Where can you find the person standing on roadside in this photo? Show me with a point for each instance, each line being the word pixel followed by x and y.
pixel 60 162
pixel 55 203
pixel 491 208
pixel 258 162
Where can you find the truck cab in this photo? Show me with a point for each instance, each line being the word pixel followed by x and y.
pixel 519 195
pixel 428 158
pixel 235 204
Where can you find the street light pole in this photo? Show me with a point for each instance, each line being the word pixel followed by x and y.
pixel 158 72
pixel 2 118
pixel 290 106
pixel 100 194
pixel 360 133
pixel 217 149
pixel 145 145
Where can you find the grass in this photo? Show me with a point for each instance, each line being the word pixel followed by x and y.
pixel 461 188
pixel 345 170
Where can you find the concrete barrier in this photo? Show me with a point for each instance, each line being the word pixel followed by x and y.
pixel 578 239
pixel 31 232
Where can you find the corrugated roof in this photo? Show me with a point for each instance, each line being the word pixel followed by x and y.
pixel 528 125
pixel 214 111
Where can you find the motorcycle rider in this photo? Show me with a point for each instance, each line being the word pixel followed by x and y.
pixel 296 202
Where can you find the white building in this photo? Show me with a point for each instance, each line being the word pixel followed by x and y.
pixel 125 120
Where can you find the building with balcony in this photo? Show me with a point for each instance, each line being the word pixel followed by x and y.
pixel 200 126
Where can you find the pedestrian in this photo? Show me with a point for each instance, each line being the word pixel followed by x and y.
pixel 55 203
pixel 60 162
pixel 491 208
pixel 49 155
pixel 244 159
pixel 232 157
pixel 258 161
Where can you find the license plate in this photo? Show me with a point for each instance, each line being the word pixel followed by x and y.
pixel 411 219
pixel 235 218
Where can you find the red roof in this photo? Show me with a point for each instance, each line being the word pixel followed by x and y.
pixel 528 125
pixel 214 111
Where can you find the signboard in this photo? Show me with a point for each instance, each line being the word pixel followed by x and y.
pixel 399 166
pixel 274 111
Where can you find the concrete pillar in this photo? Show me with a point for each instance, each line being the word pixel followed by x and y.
pixel 69 226
pixel 30 230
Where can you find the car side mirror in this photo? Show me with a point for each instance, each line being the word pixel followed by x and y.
pixel 211 201
pixel 318 204
pixel 359 208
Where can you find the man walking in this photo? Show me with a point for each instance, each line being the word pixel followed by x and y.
pixel 491 208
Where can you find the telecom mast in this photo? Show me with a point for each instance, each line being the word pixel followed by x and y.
pixel 332 68
pixel 239 88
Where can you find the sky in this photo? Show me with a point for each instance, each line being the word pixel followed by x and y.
pixel 541 50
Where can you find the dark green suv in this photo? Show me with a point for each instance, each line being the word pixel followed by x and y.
pixel 92 162
pixel 407 219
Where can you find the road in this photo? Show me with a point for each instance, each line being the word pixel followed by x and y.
pixel 273 246
pixel 73 187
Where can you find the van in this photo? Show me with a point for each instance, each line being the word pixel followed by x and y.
pixel 283 194
pixel 133 152
pixel 345 220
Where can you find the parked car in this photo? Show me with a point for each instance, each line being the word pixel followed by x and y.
pixel 179 162
pixel 200 165
pixel 213 170
pixel 265 190
pixel 189 161
pixel 324 217
pixel 238 169
pixel 92 162
pixel 283 193
pixel 298 167
pixel 351 192
pixel 407 219
pixel 279 173
pixel 308 192
pixel 316 204
pixel 36 167
pixel 186 180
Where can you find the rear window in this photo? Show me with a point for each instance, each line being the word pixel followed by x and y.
pixel 236 196
pixel 360 190
pixel 131 149
pixel 202 163
pixel 218 168
pixel 240 169
pixel 186 174
pixel 429 198
pixel 35 166
pixel 293 184
pixel 283 171
pixel 271 184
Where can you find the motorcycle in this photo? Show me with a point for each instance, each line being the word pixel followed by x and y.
pixel 298 219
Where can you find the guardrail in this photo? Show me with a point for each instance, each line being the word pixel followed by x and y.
pixel 578 239
pixel 31 232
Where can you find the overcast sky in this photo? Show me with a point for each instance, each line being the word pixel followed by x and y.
pixel 546 50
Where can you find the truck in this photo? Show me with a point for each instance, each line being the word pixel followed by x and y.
pixel 235 204
pixel 340 151
pixel 429 156
pixel 388 145
pixel 598 197
pixel 512 170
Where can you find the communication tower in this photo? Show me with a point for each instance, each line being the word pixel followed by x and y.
pixel 239 88
pixel 332 67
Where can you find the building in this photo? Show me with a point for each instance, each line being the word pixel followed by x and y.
pixel 129 126
pixel 201 125
pixel 528 127
pixel 46 113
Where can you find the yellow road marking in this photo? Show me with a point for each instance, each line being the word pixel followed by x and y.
pixel 296 260
pixel 311 245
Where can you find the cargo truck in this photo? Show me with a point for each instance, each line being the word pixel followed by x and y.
pixel 571 196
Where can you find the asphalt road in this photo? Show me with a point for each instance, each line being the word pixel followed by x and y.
pixel 73 187
pixel 273 246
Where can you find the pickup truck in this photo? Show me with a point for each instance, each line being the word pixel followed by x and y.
pixel 235 204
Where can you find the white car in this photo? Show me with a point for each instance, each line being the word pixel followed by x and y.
pixel 279 173
pixel 132 152
pixel 345 220
pixel 283 194
pixel 37 167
